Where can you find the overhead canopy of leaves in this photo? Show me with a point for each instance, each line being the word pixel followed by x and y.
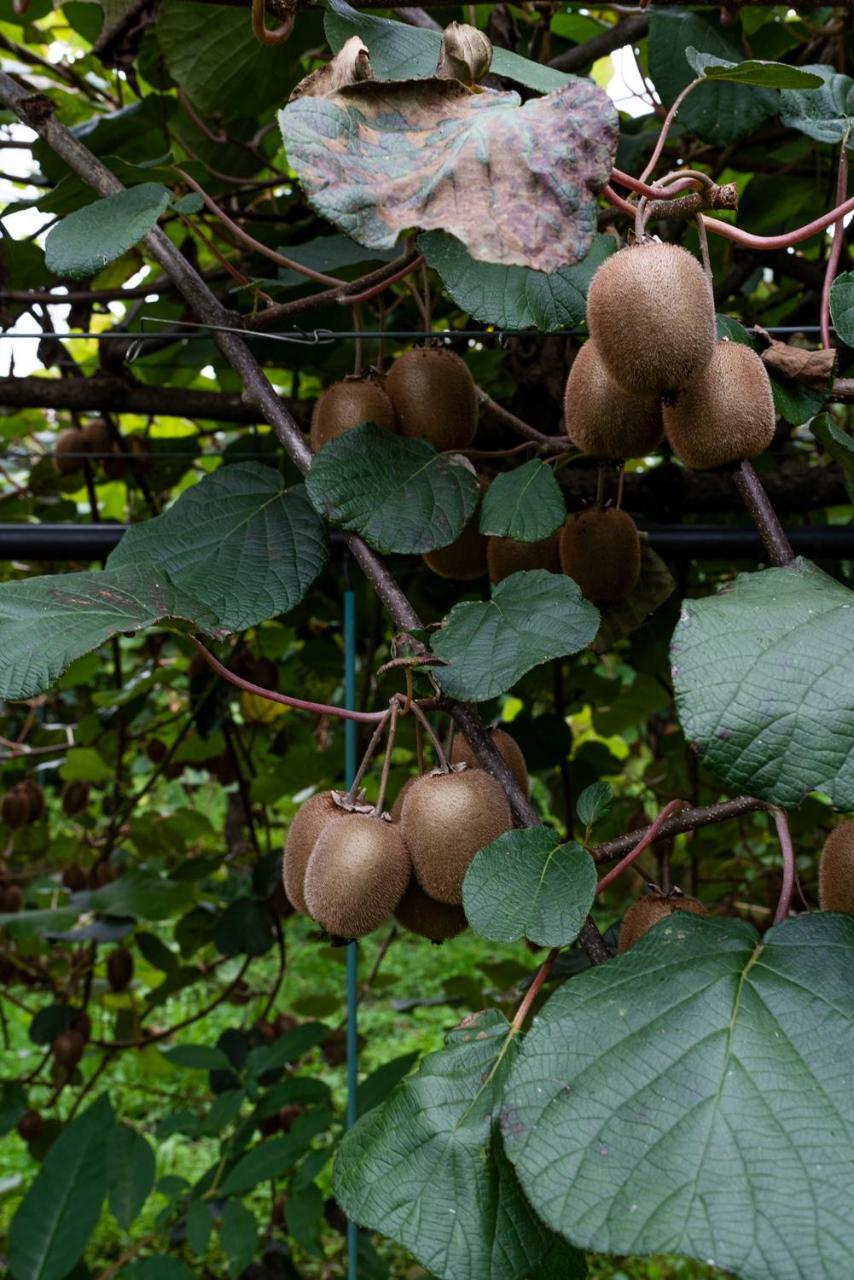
pixel 701 1140
pixel 764 681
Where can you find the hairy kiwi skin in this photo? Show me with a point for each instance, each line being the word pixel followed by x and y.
pixel 434 397
pixel 428 918
pixel 70 442
pixel 726 414
pixel 397 807
pixel 507 746
pixel 446 819
pixel 836 870
pixel 601 417
pixel 651 314
pixel 357 874
pixel 600 550
pixel 309 820
pixel 345 405
pixel 505 556
pixel 15 807
pixel 647 911
pixel 99 437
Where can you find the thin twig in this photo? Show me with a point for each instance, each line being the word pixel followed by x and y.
pixel 787 888
pixel 836 248
pixel 652 833
pixel 763 514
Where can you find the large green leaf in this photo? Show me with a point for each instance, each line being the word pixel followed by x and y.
pixel 48 621
pixel 211 52
pixel 274 1157
pixel 530 884
pixel 525 503
pixel 516 183
pixel 400 51
pixel 693 1096
pixel 765 75
pixel 56 1217
pixel 239 541
pixel 719 112
pixel 428 1169
pixel 398 493
pixel 842 307
pixel 764 681
pixel 83 243
pixel 515 297
pixel 130 1173
pixel 826 114
pixel 532 617
pixel 144 894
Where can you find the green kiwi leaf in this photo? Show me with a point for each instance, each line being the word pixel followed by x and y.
pixel 526 503
pixel 693 1096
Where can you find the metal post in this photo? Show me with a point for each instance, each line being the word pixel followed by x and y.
pixel 350 747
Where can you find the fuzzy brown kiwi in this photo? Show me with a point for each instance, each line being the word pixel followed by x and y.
pixel 69 445
pixel 35 796
pixel 345 405
pixel 357 873
pixel 464 559
pixel 600 550
pixel 446 819
pixel 836 870
pixel 647 911
pixel 30 1126
pixel 434 397
pixel 119 968
pixel 15 807
pixel 397 807
pixel 11 899
pixel 507 746
pixel 99 437
pixel 726 413
pixel 423 915
pixel 505 556
pixel 601 417
pixel 309 821
pixel 74 878
pixel 75 797
pixel 651 314
pixel 67 1049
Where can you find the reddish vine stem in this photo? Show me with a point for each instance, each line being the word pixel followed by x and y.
pixel 665 127
pixel 533 991
pixel 652 833
pixel 685 820
pixel 371 284
pixel 764 516
pixel 318 708
pixel 787 888
pixel 836 248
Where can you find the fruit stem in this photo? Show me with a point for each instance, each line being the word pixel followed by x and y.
pixel 665 127
pixel 389 747
pixel 319 708
pixel 764 516
pixel 533 991
pixel 787 888
pixel 836 248
pixel 428 729
pixel 652 832
pixel 350 798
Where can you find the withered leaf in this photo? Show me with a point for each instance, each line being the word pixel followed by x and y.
pixel 812 367
pixel 515 183
pixel 351 65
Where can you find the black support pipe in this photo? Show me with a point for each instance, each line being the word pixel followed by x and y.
pixel 81 542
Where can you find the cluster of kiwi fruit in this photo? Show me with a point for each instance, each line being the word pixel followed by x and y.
pixel 22 804
pixel 351 868
pixel 653 364
pixel 99 441
pixel 76 878
pixel 427 393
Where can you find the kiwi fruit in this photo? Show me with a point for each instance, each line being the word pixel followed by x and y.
pixel 99 437
pixel 600 550
pixel 156 750
pixel 75 797
pixel 397 807
pixel 434 397
pixel 35 795
pixel 30 1126
pixel 11 899
pixel 836 870
pixel 601 417
pixel 67 1049
pixel 15 807
pixel 309 821
pixel 655 906
pixel 119 969
pixel 726 413
pixel 505 556
pixel 357 873
pixel 69 446
pixel 423 915
pixel 74 878
pixel 82 1024
pixel 464 559
pixel 507 747
pixel 446 818
pixel 651 313
pixel 345 405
